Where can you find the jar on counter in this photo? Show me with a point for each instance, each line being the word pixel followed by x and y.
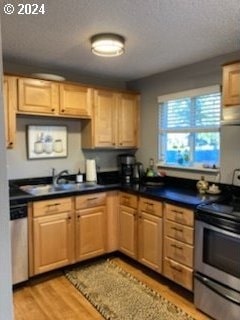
pixel 202 185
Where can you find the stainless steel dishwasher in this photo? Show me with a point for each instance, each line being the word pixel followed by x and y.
pixel 19 242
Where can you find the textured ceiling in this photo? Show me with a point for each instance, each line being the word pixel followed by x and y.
pixel 160 34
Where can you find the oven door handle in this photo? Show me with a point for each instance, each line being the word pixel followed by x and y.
pixel 225 292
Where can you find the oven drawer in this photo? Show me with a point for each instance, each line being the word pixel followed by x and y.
pixel 179 214
pixel 179 232
pixel 178 273
pixel 179 251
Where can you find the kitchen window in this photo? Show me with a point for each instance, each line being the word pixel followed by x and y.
pixel 189 125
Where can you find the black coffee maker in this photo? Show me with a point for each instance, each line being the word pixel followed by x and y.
pixel 126 163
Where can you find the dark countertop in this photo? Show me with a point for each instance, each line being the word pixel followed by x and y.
pixel 182 196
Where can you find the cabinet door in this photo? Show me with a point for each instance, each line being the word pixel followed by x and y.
pixel 231 84
pixel 90 233
pixel 75 101
pixel 10 102
pixel 53 241
pixel 128 231
pixel 104 119
pixel 38 96
pixel 128 121
pixel 150 241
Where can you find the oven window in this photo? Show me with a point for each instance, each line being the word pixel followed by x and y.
pixel 222 251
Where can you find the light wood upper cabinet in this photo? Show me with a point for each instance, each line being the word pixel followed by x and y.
pixel 128 122
pixel 231 84
pixel 55 99
pixel 38 96
pixel 75 100
pixel 10 104
pixel 115 121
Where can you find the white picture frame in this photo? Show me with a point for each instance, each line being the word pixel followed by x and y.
pixel 45 142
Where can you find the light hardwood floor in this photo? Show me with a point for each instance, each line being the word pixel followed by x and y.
pixel 54 297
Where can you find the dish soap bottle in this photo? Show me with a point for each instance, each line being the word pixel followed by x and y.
pixel 202 185
pixel 150 171
pixel 79 177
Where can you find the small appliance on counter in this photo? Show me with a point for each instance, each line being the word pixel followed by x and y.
pixel 126 163
pixel 138 172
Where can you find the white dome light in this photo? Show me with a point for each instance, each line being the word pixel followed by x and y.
pixel 107 45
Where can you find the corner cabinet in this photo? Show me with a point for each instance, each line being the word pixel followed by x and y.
pixel 128 224
pixel 44 97
pixel 10 104
pixel 150 233
pixel 231 84
pixel 52 234
pixel 115 121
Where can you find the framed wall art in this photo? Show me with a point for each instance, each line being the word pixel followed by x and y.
pixel 46 142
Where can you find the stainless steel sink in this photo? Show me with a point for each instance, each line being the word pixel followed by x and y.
pixel 44 189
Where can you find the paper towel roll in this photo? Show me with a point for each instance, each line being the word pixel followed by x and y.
pixel 91 174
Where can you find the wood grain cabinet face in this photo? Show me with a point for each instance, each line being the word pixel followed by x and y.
pixel 231 84
pixel 115 121
pixel 178 245
pixel 128 124
pixel 38 96
pixel 150 233
pixel 91 227
pixel 75 101
pixel 52 234
pixel 10 104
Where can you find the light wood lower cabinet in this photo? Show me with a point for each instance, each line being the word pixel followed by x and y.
pixel 128 224
pixel 150 235
pixel 178 245
pixel 90 226
pixel 52 234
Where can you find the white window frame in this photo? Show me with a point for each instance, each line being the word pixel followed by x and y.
pixel 181 95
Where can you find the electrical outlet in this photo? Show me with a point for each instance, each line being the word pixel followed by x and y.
pixel 236 177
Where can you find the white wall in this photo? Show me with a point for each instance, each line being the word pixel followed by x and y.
pixel 6 312
pixel 202 74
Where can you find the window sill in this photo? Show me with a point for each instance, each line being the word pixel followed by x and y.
pixel 190 169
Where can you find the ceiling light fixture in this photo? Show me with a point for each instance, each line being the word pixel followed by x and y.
pixel 107 44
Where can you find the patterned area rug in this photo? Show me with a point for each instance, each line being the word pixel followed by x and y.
pixel 117 295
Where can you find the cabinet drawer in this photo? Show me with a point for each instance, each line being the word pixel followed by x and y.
pixel 178 273
pixel 90 200
pixel 179 214
pixel 128 200
pixel 178 231
pixel 179 251
pixel 52 206
pixel 150 206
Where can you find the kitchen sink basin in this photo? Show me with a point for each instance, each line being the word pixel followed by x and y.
pixel 43 189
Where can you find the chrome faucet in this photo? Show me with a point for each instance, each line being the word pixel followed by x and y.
pixel 56 177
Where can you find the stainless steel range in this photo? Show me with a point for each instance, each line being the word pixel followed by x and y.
pixel 217 260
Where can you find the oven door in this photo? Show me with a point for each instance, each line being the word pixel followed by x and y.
pixel 217 254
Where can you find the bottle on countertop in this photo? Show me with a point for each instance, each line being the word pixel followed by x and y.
pixel 151 170
pixel 79 177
